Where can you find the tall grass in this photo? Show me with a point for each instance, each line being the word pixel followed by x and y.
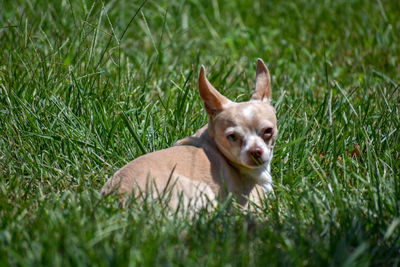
pixel 86 86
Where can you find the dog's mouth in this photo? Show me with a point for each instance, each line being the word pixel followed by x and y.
pixel 255 161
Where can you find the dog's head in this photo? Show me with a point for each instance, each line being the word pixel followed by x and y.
pixel 244 132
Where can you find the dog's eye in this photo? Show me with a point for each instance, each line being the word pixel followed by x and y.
pixel 232 137
pixel 268 132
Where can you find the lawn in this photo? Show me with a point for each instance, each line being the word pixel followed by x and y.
pixel 87 86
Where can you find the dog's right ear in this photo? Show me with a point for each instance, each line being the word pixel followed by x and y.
pixel 263 83
pixel 213 101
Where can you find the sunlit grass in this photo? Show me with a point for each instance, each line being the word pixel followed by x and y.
pixel 86 87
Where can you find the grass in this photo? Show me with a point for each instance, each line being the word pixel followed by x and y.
pixel 86 86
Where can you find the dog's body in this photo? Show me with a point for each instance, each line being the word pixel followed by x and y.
pixel 232 154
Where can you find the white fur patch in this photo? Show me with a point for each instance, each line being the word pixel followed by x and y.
pixel 262 176
pixel 248 113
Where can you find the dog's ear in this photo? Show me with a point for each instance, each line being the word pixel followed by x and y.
pixel 213 101
pixel 263 83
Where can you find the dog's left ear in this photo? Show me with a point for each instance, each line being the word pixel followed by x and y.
pixel 263 83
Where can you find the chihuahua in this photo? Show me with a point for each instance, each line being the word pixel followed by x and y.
pixel 230 155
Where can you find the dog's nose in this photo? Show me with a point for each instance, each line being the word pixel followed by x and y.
pixel 255 152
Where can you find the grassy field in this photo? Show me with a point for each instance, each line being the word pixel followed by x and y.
pixel 86 86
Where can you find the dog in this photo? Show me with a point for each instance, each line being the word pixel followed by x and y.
pixel 230 155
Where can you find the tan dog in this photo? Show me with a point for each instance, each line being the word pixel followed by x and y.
pixel 232 154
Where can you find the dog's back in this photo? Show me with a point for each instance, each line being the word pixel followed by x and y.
pixel 186 173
